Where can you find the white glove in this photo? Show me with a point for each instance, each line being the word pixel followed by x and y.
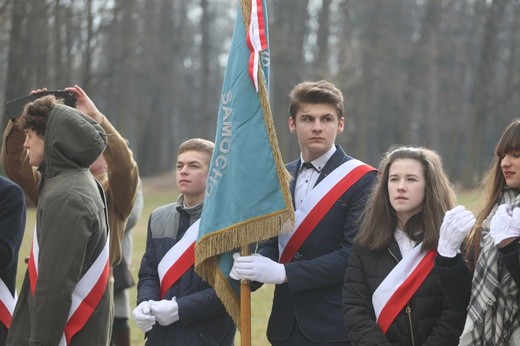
pixel 455 226
pixel 165 311
pixel 233 273
pixel 505 224
pixel 257 268
pixel 143 317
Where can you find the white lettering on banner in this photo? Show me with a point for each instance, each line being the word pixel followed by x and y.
pixel 224 146
pixel 265 58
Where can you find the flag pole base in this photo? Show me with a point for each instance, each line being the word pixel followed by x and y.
pixel 245 305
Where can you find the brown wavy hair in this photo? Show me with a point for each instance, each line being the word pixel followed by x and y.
pixel 316 92
pixel 35 114
pixel 379 219
pixel 493 184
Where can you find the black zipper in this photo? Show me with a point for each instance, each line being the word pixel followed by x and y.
pixel 408 309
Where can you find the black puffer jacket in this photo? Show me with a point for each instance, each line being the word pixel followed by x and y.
pixel 202 317
pixel 431 320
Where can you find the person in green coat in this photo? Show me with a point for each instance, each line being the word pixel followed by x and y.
pixel 65 296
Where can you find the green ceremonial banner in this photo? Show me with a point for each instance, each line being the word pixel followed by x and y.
pixel 247 193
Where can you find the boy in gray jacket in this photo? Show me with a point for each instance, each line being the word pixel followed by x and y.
pixel 175 306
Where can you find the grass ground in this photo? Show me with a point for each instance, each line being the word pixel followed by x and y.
pixel 159 192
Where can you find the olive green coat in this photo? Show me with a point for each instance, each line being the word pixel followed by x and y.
pixel 71 223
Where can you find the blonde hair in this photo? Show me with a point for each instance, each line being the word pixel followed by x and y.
pixel 197 144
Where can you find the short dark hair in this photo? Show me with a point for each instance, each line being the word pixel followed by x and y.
pixel 316 92
pixel 35 114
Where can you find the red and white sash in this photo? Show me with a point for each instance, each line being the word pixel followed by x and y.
pixel 178 259
pixel 7 303
pixel 256 39
pixel 87 293
pixel 400 285
pixel 317 203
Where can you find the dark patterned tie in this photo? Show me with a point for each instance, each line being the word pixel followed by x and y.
pixel 309 165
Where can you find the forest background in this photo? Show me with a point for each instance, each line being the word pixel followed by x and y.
pixel 438 73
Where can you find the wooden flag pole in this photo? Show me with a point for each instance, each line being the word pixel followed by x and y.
pixel 245 287
pixel 245 306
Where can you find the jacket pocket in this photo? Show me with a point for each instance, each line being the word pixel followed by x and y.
pixel 332 295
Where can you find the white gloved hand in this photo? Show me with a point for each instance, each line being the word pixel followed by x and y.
pixel 455 226
pixel 143 317
pixel 233 273
pixel 165 311
pixel 505 224
pixel 257 268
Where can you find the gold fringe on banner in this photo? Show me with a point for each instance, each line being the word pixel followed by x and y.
pixel 232 238
pixel 252 230
pixel 249 231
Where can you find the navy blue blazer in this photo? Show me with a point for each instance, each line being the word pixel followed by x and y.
pixel 312 296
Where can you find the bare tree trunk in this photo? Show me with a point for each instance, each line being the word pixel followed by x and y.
pixel 321 68
pixel 287 36
pixel 157 137
pixel 512 69
pixel 368 87
pixel 205 113
pixel 87 53
pixel 16 69
pixel 421 71
pixel 38 43
pixel 4 5
pixel 180 45
pixel 484 93
pixel 58 46
pixel 344 48
pixel 66 71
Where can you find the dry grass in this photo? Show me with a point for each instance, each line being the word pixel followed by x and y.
pixel 159 191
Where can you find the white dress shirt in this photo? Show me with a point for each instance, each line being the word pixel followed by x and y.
pixel 405 243
pixel 307 177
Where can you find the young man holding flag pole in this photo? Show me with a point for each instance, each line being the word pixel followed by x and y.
pixel 307 265
pixel 247 194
